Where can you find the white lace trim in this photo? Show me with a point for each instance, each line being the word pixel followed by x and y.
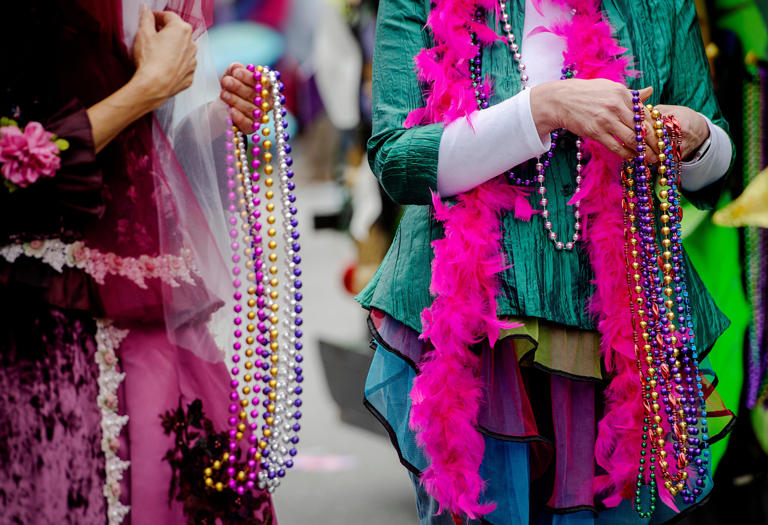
pixel 108 339
pixel 170 269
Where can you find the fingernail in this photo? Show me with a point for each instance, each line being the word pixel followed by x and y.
pixel 225 95
pixel 238 74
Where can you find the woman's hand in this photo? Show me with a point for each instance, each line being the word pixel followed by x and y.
pixel 237 91
pixel 694 127
pixel 165 58
pixel 596 109
pixel 165 64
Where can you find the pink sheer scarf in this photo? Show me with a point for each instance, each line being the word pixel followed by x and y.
pixel 163 200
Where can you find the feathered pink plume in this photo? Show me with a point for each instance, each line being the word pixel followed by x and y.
pixel 447 392
pixel 444 68
pixel 590 46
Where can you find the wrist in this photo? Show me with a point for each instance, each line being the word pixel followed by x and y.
pixel 146 91
pixel 699 134
pixel 544 108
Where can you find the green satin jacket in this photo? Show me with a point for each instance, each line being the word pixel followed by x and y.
pixel 664 38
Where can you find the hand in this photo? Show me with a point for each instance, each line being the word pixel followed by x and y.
pixel 166 58
pixel 694 127
pixel 596 109
pixel 237 91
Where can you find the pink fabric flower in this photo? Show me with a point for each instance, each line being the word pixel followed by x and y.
pixel 110 359
pixel 96 266
pixel 149 265
pixel 27 155
pixel 111 401
pixel 36 246
pixel 78 252
pixel 175 263
pixel 114 262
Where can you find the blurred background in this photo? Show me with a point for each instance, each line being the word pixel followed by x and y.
pixel 323 49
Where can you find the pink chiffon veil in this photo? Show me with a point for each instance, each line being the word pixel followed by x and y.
pixel 187 130
pixel 191 127
pixel 176 197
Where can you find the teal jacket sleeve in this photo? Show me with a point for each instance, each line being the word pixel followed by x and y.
pixel 404 160
pixel 690 85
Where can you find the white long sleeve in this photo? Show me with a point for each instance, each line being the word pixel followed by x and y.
pixel 712 164
pixel 497 139
pixel 503 135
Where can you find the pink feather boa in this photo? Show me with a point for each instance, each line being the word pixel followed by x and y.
pixel 447 392
pixel 444 68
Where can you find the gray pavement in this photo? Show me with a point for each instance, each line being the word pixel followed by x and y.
pixel 344 475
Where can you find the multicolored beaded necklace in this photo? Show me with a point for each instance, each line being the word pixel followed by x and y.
pixel 266 364
pixel 756 239
pixel 667 357
pixel 476 75
pixel 669 371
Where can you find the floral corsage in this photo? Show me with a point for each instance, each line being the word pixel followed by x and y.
pixel 28 154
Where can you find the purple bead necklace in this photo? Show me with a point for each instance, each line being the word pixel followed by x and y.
pixel 667 358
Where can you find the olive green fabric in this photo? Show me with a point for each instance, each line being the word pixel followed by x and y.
pixel 665 40
pixel 557 348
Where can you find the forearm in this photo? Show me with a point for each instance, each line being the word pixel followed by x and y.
pixel 496 139
pixel 116 112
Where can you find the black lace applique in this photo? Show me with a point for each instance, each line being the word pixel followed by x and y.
pixel 197 444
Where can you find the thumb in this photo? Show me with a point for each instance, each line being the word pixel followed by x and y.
pixel 146 20
pixel 646 93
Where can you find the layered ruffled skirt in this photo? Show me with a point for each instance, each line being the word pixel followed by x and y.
pixel 543 400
